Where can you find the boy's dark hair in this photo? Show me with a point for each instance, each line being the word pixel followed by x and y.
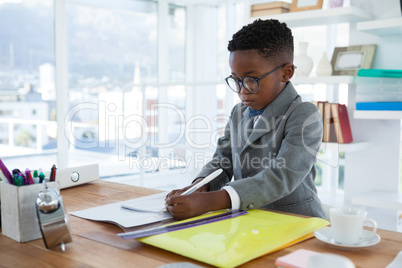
pixel 270 38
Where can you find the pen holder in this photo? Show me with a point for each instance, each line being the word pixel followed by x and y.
pixel 18 210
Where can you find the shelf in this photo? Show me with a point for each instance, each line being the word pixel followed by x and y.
pixel 381 27
pixel 380 73
pixel 334 79
pixel 321 16
pixel 392 115
pixel 343 79
pixel 379 199
pixel 348 147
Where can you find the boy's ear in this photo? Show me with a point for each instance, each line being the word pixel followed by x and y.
pixel 288 72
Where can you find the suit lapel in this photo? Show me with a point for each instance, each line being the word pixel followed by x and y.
pixel 264 126
pixel 271 116
pixel 246 128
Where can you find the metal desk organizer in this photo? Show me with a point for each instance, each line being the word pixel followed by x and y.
pixel 52 219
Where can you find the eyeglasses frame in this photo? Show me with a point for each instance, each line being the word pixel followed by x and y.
pixel 240 82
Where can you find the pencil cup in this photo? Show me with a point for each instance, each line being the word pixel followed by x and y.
pixel 18 210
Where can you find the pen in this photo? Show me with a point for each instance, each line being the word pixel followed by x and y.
pixel 6 172
pixel 35 177
pixel 53 173
pixel 41 177
pixel 22 178
pixel 29 176
pixel 15 179
pixel 206 180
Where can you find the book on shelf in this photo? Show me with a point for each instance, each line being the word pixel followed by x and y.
pixel 270 5
pixel 329 134
pixel 271 8
pixel 379 73
pixel 379 106
pixel 267 12
pixel 336 124
pixel 320 106
pixel 341 121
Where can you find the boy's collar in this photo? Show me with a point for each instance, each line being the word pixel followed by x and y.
pixel 280 104
pixel 252 113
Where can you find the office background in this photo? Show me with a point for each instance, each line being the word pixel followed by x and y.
pixel 138 87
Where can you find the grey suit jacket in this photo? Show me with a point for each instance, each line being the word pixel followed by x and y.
pixel 272 165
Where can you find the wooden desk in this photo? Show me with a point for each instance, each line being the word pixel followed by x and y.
pixel 87 251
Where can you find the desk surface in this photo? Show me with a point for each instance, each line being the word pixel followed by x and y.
pixel 96 245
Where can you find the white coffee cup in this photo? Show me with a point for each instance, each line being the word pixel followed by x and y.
pixel 347 224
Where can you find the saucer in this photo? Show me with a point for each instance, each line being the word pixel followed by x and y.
pixel 368 239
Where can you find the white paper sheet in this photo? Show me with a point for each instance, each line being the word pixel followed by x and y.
pixel 151 203
pixel 125 218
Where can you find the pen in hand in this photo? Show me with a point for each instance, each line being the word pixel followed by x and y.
pixel 201 183
pixel 174 202
pixel 206 180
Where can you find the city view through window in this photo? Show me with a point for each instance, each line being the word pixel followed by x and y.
pixel 114 58
pixel 110 53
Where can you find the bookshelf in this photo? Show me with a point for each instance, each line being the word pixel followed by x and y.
pixel 332 80
pixel 329 80
pixel 347 147
pixel 321 16
pixel 371 163
pixel 380 115
pixel 391 85
pixel 379 199
pixel 381 27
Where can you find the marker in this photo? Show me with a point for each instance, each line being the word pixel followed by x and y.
pixel 6 172
pixel 16 173
pixel 15 179
pixel 41 177
pixel 35 177
pixel 22 178
pixel 29 176
pixel 53 173
pixel 206 180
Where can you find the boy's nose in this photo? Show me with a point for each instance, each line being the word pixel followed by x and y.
pixel 243 90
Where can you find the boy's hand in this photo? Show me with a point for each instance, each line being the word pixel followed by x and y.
pixel 175 192
pixel 187 206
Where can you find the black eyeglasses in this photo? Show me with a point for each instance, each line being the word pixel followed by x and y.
pixel 250 83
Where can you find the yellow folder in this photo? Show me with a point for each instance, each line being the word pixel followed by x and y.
pixel 232 242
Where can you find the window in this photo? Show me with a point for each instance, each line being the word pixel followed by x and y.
pixel 110 51
pixel 138 72
pixel 26 77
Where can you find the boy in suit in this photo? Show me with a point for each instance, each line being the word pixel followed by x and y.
pixel 272 138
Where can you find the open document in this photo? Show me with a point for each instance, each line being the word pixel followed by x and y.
pixel 150 210
pixel 152 203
